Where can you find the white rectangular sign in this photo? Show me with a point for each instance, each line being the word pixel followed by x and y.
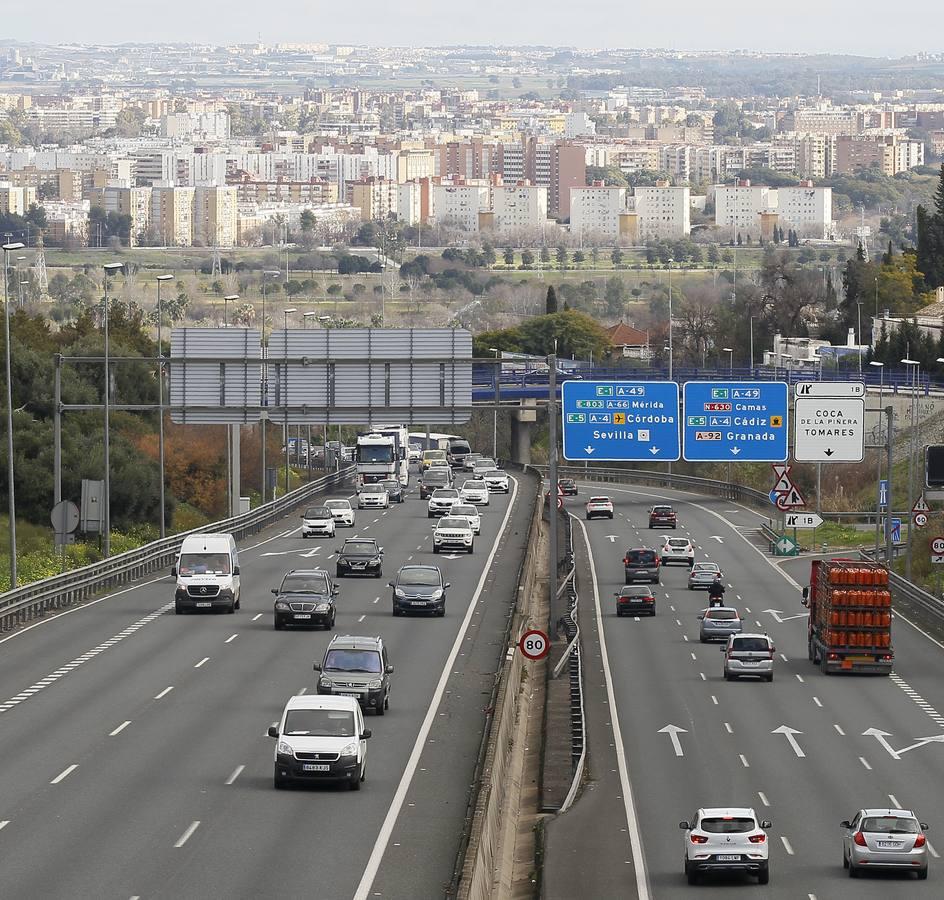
pixel 830 389
pixel 829 430
pixel 802 520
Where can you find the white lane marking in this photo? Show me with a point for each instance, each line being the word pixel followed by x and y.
pixel 839 730
pixel 361 619
pixel 235 775
pixel 783 656
pixel 763 798
pixel 714 699
pixel 84 658
pixel 186 835
pixel 894 800
pixel 932 851
pixel 65 773
pixel 786 845
pixel 702 675
pixel 817 701
pixel 232 637
pixel 678 622
pixel 120 728
pixel 4 824
pixel 257 616
pixel 685 637
pixel 800 678
pixel 917 698
pixel 864 762
pixel 164 692
pixel 728 728
pixel 386 829
pixel 200 664
pixel 744 761
pixel 694 657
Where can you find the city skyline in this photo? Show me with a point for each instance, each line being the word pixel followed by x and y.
pixel 420 23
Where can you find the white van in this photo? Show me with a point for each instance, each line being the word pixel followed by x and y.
pixel 207 572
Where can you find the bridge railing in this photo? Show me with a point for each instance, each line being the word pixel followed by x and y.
pixel 34 600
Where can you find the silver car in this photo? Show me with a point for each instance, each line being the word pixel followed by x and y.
pixel 703 574
pixel 749 654
pixel 718 623
pixel 885 839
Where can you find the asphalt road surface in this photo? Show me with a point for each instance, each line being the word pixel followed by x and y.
pixel 732 749
pixel 134 756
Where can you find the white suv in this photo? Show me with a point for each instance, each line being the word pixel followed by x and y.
pixel 475 490
pixel 677 549
pixel 726 839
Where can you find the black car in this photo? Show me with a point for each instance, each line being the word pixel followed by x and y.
pixel 305 597
pixel 419 589
pixel 394 489
pixel 634 599
pixel 433 481
pixel 567 486
pixel 360 556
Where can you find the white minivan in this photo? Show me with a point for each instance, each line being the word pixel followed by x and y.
pixel 207 572
pixel 322 738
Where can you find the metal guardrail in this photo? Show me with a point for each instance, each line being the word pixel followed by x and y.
pixel 915 595
pixel 34 600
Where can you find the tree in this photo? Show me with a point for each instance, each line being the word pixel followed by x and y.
pixel 615 295
pixel 550 301
pixel 527 259
pixel 616 257
pixel 578 257
pixel 307 220
pixel 488 254
pixel 713 255
pixel 509 256
pixel 561 257
pixel 930 243
pixel 545 256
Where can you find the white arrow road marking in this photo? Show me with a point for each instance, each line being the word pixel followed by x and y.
pixel 235 775
pixel 718 538
pixel 781 618
pixel 311 553
pixel 452 556
pixel 284 553
pixel 789 733
pixel 612 538
pixel 881 736
pixel 673 731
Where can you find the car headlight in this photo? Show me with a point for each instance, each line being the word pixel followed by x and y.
pixel 400 592
pixel 437 594
pixel 285 749
pixel 322 607
pixel 325 682
pixel 281 605
pixel 350 749
pixel 373 685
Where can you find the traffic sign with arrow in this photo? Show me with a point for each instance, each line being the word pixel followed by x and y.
pixel 802 520
pixel 790 500
pixel 937 550
pixel 785 546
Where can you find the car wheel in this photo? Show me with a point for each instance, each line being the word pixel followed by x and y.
pixel 728 676
pixel 380 709
pixel 178 609
pixel 379 574
pixel 853 870
pixel 704 640
pixel 231 609
pixel 471 546
pixel 435 549
pixel 355 785
pixel 396 610
pixel 845 860
pixel 763 876
pixel 691 874
pixel 653 610
pixel 330 625
pixel 338 573
pixel 691 588
pixel 923 874
pixel 610 516
pixel 619 613
pixel 237 601
pixel 770 677
pixel 279 782
pixel 441 612
pixel 278 625
pixel 387 702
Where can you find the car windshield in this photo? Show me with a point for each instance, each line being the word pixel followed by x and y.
pixel 319 723
pixel 635 592
pixel 706 568
pixel 475 485
pixel 640 557
pixel 337 504
pixel 464 511
pixel 484 462
pixel 434 454
pixel 660 510
pixel 390 485
pixel 317 512
pixel 359 547
pixel 727 825
pixel 204 564
pixel 352 661
pixel 373 489
pixel 459 447
pixel 721 614
pixel 677 543
pixel 599 500
pixel 453 522
pixel 446 494
pixel 429 577
pixel 890 825
pixel 304 584
pixel 750 644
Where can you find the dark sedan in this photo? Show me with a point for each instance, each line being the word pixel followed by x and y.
pixel 567 486
pixel 305 597
pixel 419 589
pixel 394 489
pixel 634 599
pixel 360 556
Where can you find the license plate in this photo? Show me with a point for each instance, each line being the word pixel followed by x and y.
pixel 637 600
pixel 417 603
pixel 890 845
pixel 729 857
pixel 347 694
pixel 315 767
pixel 302 615
pixel 750 662
pixel 204 603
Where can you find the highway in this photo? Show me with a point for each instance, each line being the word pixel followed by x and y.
pixel 135 759
pixel 795 750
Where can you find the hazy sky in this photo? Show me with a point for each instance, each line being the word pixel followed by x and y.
pixel 866 27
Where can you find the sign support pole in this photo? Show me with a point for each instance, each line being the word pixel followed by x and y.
pixel 552 473
pixel 889 414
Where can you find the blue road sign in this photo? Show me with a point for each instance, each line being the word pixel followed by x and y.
pixel 896 530
pixel 883 493
pixel 620 420
pixel 735 421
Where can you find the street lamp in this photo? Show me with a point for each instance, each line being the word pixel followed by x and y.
pixel 106 527
pixel 914 367
pixel 730 352
pixel 306 316
pixel 285 314
pixel 266 273
pixel 497 352
pixel 160 392
pixel 859 334
pixel 229 298
pixel 878 474
pixel 670 317
pixel 7 250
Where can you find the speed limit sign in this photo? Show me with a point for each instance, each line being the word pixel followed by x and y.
pixel 534 644
pixel 920 520
pixel 937 550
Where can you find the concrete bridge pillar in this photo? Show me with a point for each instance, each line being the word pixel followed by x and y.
pixel 521 421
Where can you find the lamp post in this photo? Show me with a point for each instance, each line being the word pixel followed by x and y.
pixel 7 250
pixel 266 273
pixel 307 316
pixel 752 345
pixel 859 334
pixel 914 367
pixel 730 352
pixel 670 317
pixel 160 393
pixel 878 468
pixel 106 526
pixel 229 298
pixel 19 281
pixel 285 314
pixel 497 352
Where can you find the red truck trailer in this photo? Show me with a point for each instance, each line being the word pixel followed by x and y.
pixel 850 623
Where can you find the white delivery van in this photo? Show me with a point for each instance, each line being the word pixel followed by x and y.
pixel 207 572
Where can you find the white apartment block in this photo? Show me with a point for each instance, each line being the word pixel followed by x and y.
pixel 172 215
pixel 908 154
pixel 738 208
pixel 678 161
pixel 806 209
pixel 663 212
pixel 16 200
pixel 519 206
pixel 579 124
pixel 214 216
pixel 182 126
pixel 458 204
pixel 410 203
pixel 126 201
pixel 596 210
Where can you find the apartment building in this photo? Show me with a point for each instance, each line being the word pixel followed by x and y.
pixel 458 204
pixel 410 206
pixel 315 192
pixel 214 216
pixel 595 210
pixel 815 155
pixel 125 201
pixel 517 206
pixel 888 153
pixel 172 210
pixel 376 198
pixel 415 163
pixel 662 212
pixel 67 223
pixel 806 209
pixel 16 199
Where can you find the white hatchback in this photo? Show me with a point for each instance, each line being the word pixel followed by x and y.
pixel 677 550
pixel 470 512
pixel 726 839
pixel 342 511
pixel 497 480
pixel 373 496
pixel 475 490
